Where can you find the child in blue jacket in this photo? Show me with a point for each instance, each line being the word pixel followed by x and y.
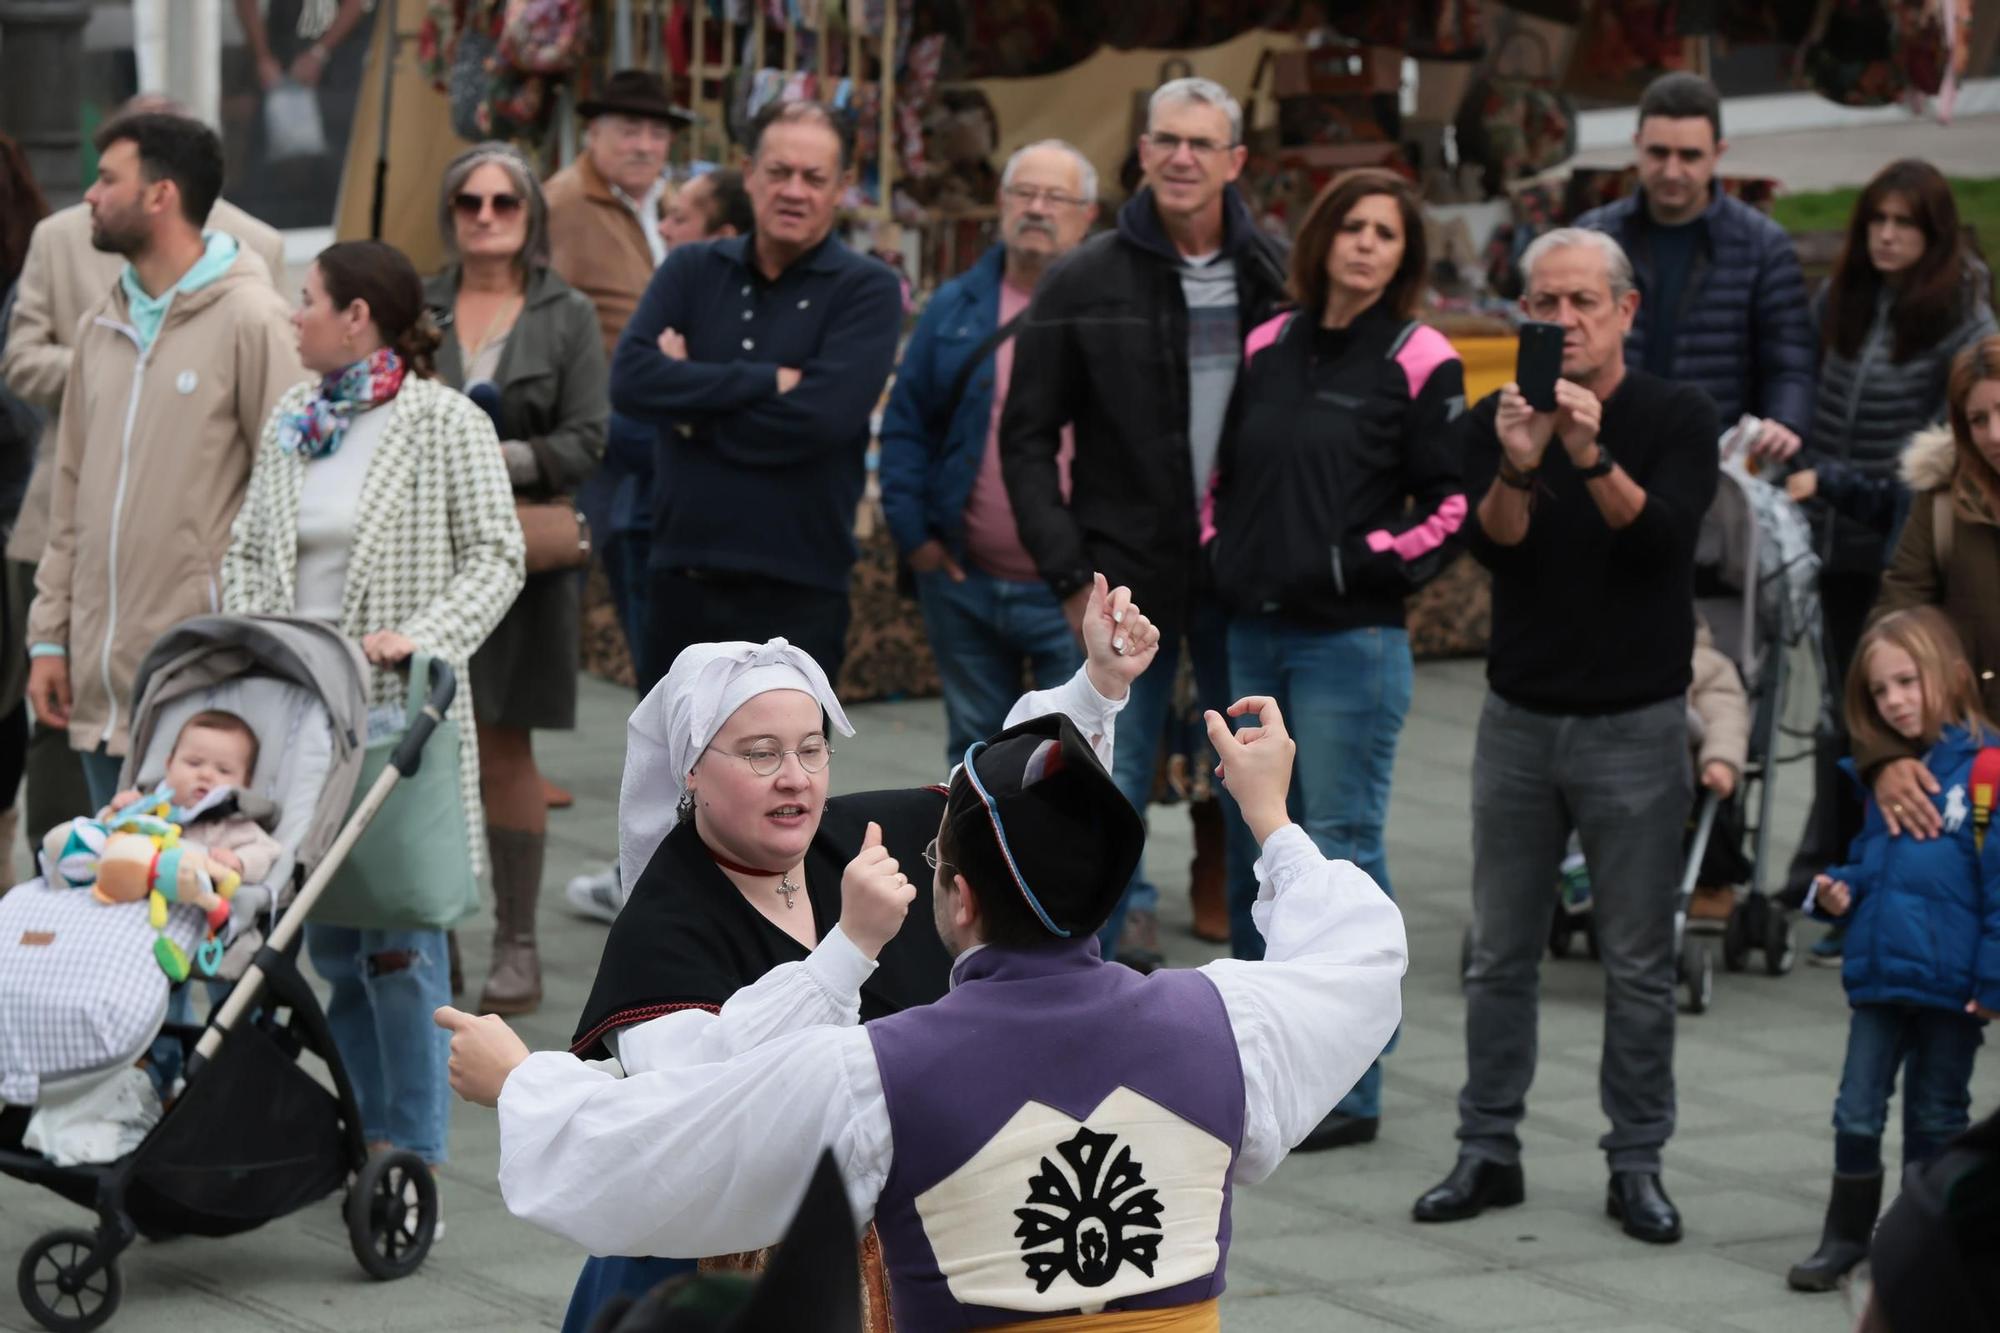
pixel 1922 965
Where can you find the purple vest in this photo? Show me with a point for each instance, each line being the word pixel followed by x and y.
pixel 1065 1138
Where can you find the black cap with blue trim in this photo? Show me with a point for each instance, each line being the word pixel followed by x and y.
pixel 1033 810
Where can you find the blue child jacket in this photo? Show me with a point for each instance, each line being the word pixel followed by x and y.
pixel 1925 924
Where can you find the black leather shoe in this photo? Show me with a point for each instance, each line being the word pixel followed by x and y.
pixel 1473 1186
pixel 1637 1199
pixel 1340 1131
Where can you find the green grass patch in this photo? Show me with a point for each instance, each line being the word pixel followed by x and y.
pixel 1829 210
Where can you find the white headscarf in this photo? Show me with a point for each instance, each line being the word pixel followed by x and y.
pixel 675 723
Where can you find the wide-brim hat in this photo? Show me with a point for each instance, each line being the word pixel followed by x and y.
pixel 1033 811
pixel 635 92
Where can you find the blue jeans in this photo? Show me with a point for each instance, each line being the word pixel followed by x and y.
pixel 981 631
pixel 1935 1049
pixel 100 775
pixel 385 985
pixel 1135 755
pixel 1344 695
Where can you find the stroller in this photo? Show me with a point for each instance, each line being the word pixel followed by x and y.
pixel 289 1139
pixel 1757 582
pixel 1757 586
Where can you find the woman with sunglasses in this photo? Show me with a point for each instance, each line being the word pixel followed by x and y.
pixel 523 344
pixel 740 863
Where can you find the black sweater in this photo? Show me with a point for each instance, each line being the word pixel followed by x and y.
pixel 1587 620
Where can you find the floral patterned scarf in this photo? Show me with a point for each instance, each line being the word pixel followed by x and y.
pixel 317 429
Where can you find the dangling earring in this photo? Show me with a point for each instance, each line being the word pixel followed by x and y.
pixel 685 810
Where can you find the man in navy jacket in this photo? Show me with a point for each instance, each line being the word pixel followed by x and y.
pixel 761 358
pixel 986 607
pixel 1722 301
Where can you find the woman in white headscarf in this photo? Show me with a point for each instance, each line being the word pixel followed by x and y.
pixel 741 863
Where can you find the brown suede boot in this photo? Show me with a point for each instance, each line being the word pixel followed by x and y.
pixel 1208 877
pixel 514 986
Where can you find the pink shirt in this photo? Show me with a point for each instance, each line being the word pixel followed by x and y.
pixel 992 541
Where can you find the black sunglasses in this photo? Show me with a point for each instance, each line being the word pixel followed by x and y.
pixel 470 205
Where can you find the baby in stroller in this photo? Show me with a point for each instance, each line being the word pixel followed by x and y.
pixel 207 775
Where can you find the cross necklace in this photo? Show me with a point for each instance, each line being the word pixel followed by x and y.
pixel 784 877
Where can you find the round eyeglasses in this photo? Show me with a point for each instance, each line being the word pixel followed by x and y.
pixel 766 760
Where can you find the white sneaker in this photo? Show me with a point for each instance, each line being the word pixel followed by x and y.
pixel 595 897
pixel 410 1201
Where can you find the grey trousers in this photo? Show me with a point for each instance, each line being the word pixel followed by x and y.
pixel 1622 781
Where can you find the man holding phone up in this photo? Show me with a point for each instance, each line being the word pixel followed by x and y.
pixel 1587 520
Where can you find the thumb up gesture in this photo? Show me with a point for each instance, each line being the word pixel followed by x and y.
pixel 484 1051
pixel 875 895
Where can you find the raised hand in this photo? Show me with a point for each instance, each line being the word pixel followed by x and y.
pixel 875 895
pixel 1119 642
pixel 484 1051
pixel 1256 762
pixel 1524 433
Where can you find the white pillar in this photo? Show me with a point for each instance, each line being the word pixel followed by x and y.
pixel 178 44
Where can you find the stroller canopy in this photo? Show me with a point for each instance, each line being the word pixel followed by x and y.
pixel 310 772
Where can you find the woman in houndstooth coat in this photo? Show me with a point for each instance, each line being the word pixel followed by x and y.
pixel 379 502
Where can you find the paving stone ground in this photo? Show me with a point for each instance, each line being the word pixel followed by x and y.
pixel 1326 1244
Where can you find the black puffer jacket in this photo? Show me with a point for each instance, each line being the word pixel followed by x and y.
pixel 1868 406
pixel 1105 346
pixel 1744 334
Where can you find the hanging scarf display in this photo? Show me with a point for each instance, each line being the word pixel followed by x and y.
pixel 317 429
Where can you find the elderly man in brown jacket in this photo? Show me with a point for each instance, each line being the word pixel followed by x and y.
pixel 63 277
pixel 174 374
pixel 604 208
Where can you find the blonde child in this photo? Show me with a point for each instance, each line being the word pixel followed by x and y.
pixel 1922 959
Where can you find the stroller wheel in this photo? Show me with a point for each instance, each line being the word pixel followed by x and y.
pixel 1780 949
pixel 392 1211
pixel 1736 940
pixel 54 1290
pixel 1697 974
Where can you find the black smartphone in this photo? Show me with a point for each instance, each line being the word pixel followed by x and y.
pixel 1538 362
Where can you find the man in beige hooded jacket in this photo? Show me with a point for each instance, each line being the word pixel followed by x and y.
pixel 172 379
pixel 62 279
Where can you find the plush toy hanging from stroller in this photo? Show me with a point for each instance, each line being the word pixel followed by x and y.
pixel 137 853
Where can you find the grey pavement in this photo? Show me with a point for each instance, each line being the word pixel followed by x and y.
pixel 1326 1244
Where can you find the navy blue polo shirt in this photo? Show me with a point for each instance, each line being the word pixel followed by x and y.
pixel 751 480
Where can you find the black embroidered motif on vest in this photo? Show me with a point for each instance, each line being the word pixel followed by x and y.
pixel 1093 1216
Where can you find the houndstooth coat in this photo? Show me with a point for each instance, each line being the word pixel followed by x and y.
pixel 437 553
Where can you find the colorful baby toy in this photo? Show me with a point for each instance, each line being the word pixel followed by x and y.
pixel 137 853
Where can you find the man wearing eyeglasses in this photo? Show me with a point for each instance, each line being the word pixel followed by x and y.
pixel 1136 339
pixel 985 606
pixel 1588 514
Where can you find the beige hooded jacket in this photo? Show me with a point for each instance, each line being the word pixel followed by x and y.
pixel 150 466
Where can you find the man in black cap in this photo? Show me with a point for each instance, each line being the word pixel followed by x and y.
pixel 1056 1137
pixel 605 210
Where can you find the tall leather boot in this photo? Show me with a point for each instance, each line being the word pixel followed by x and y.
pixel 1850 1221
pixel 514 986
pixel 1208 873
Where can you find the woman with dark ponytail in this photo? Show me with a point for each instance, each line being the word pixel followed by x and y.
pixel 379 502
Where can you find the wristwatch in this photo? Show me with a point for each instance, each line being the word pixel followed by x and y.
pixel 1601 468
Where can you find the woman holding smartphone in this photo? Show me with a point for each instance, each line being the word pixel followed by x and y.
pixel 1337 495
